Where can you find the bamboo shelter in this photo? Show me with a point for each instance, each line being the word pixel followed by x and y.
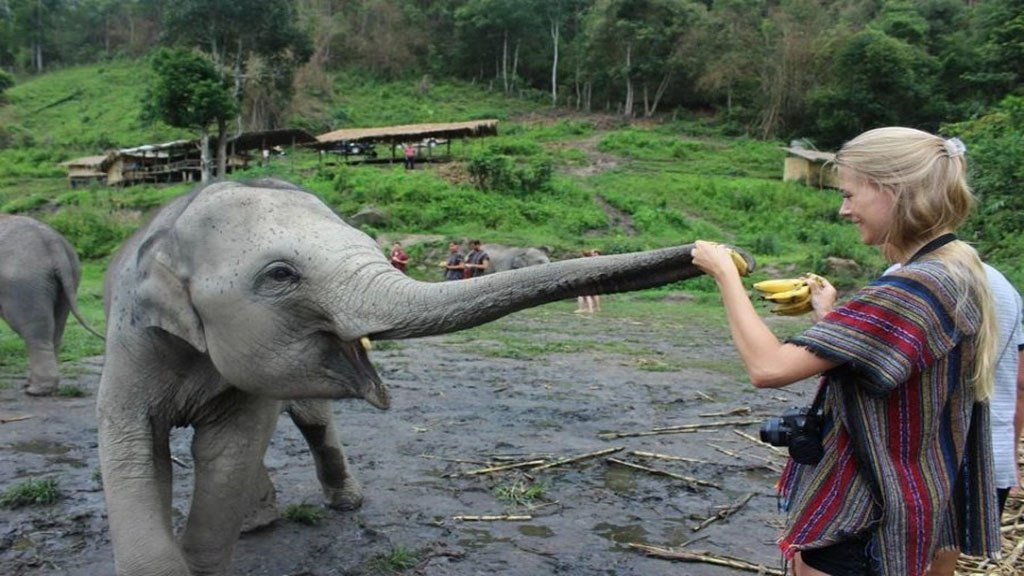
pixel 425 137
pixel 810 167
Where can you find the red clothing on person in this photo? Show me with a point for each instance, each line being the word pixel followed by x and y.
pixel 399 259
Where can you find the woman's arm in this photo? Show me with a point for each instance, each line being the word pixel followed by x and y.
pixel 769 363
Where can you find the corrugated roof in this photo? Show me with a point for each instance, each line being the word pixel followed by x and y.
pixel 812 155
pixel 410 132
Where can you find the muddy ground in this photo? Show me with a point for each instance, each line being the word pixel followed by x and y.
pixel 541 384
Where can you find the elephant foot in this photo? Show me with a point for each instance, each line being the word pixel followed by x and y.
pixel 263 512
pixel 348 497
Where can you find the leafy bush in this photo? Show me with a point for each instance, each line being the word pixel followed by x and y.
pixel 94 234
pixel 31 493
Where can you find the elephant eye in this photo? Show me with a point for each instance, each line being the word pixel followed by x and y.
pixel 277 278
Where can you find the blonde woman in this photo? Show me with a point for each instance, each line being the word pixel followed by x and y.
pixel 906 459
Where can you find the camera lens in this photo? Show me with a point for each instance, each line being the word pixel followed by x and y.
pixel 774 431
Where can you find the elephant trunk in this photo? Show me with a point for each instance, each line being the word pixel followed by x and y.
pixel 425 309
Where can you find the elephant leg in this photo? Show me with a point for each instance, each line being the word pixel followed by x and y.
pixel 228 453
pixel 264 509
pixel 314 419
pixel 136 468
pixel 61 311
pixel 33 321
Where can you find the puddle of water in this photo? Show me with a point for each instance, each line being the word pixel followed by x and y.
pixel 536 531
pixel 477 538
pixel 73 462
pixel 619 479
pixel 40 447
pixel 620 535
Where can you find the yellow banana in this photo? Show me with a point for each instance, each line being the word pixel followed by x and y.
pixel 795 309
pixel 741 264
pixel 780 285
pixel 790 296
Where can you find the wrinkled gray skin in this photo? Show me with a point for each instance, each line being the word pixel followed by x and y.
pixel 39 274
pixel 239 297
pixel 513 257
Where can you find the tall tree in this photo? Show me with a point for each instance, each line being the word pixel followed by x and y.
pixel 189 92
pixel 233 31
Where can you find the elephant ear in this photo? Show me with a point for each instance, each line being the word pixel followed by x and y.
pixel 162 298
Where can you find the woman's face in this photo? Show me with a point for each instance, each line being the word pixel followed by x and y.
pixel 867 206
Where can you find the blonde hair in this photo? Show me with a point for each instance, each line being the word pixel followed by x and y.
pixel 927 177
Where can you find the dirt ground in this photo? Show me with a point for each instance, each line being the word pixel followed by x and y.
pixel 541 384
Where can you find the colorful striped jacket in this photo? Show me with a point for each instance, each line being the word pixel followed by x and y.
pixel 907 449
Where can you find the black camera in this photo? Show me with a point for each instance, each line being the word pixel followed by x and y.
pixel 799 429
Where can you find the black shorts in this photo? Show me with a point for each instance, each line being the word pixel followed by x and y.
pixel 847 558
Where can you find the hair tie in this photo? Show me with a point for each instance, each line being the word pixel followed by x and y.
pixel 954 147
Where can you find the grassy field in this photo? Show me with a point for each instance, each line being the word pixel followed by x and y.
pixel 661 184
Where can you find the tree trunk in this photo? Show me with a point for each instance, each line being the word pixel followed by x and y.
pixel 662 86
pixel 204 153
pixel 627 110
pixel 504 61
pixel 515 64
pixel 222 148
pixel 554 64
pixel 576 84
pixel 238 87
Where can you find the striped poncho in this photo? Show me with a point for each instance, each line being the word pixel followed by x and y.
pixel 907 449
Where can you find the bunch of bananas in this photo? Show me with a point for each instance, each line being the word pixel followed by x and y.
pixel 792 296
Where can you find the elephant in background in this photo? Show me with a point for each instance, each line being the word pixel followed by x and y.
pixel 513 257
pixel 240 299
pixel 39 275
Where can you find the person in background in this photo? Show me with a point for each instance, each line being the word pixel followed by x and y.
pixel 1006 406
pixel 454 267
pixel 409 150
pixel 399 259
pixel 590 303
pixel 477 261
pixel 903 442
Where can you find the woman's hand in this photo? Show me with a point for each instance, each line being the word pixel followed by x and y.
pixel 714 259
pixel 823 296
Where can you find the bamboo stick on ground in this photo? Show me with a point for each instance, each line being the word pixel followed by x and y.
pixel 741 411
pixel 758 441
pixel 724 512
pixel 8 419
pixel 766 463
pixel 687 479
pixel 493 518
pixel 706 558
pixel 579 458
pixel 679 429
pixel 657 456
pixel 456 460
pixel 491 469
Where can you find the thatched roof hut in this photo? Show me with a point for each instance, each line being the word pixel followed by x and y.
pixel 409 133
pixel 811 167
pixel 88 169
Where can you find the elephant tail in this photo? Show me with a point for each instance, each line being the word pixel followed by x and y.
pixel 68 279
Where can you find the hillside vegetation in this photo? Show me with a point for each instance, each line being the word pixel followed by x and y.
pixel 565 181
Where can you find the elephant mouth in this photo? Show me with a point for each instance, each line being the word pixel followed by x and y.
pixel 367 379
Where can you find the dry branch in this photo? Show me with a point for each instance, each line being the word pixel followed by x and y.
pixel 758 441
pixel 8 419
pixel 493 518
pixel 657 456
pixel 706 558
pixel 765 462
pixel 741 411
pixel 680 429
pixel 604 452
pixel 491 469
pixel 724 512
pixel 687 479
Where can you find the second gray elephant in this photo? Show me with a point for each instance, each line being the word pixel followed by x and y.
pixel 39 274
pixel 513 257
pixel 238 298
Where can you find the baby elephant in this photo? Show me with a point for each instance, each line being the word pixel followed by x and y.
pixel 39 273
pixel 236 301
